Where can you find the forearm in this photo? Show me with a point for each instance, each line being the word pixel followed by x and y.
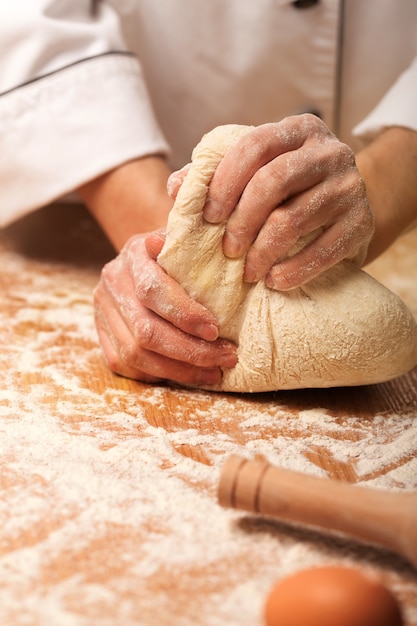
pixel 388 166
pixel 130 199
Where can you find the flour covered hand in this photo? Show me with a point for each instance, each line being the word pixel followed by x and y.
pixel 340 328
pixel 281 182
pixel 149 328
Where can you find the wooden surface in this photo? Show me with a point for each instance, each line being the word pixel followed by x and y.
pixel 108 509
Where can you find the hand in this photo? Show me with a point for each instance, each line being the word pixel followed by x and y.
pixel 283 181
pixel 148 326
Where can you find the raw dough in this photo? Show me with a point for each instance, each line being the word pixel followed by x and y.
pixel 343 328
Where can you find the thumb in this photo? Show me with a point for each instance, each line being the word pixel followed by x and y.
pixel 154 243
pixel 175 181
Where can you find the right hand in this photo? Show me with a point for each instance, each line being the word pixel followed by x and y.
pixel 148 326
pixel 282 182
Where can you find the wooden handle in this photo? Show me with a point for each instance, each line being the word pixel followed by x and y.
pixel 385 518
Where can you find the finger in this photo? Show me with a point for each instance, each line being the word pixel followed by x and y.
pixel 175 181
pixel 138 357
pixel 235 170
pixel 170 301
pixel 133 327
pixel 288 175
pixel 178 372
pixel 115 364
pixel 251 152
pixel 328 249
pixel 156 368
pixel 154 334
pixel 319 207
pixel 163 295
pixel 154 243
pixel 285 177
pixel 112 332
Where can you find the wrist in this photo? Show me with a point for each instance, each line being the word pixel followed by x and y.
pixel 387 166
pixel 129 199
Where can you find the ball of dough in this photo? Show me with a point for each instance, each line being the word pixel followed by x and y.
pixel 342 328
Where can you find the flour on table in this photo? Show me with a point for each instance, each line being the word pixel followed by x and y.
pixel 343 328
pixel 108 508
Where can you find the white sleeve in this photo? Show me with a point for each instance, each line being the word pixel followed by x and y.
pixel 397 108
pixel 73 101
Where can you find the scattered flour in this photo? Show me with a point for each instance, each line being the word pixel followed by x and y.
pixel 108 509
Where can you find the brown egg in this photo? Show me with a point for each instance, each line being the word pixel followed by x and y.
pixel 331 596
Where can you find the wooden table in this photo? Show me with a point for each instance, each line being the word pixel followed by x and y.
pixel 108 486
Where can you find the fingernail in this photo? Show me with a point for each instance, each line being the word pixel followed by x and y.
pixel 209 332
pixel 213 212
pixel 250 274
pixel 278 281
pixel 232 246
pixel 228 360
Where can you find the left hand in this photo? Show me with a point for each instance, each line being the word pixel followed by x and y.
pixel 280 182
pixel 149 327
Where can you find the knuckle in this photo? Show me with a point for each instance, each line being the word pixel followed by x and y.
pixel 133 245
pixel 281 279
pixel 239 229
pixel 271 183
pixel 268 179
pixel 146 286
pixel 114 362
pixel 310 120
pixel 143 337
pixel 286 224
pixel 276 240
pixel 109 277
pixel 347 155
pixel 365 224
pixel 107 272
pixel 144 333
pixel 128 353
pixel 360 204
pixel 197 358
pixel 313 125
pixel 341 158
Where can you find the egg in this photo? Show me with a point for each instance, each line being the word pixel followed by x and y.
pixel 331 596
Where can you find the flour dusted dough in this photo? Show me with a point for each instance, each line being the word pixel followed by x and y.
pixel 343 328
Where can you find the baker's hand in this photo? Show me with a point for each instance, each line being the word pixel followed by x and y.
pixel 280 182
pixel 148 326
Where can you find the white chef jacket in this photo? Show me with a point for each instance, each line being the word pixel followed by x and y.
pixel 88 85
